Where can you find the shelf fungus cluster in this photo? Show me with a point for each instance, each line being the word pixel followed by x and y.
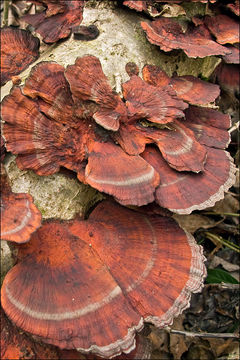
pixel 160 142
pixel 19 48
pixel 56 20
pixel 90 284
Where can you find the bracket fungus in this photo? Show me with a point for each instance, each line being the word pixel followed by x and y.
pixel 72 118
pixel 56 21
pixel 19 48
pixel 19 216
pixel 74 294
pixel 168 34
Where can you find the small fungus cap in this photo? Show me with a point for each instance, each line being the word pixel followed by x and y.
pixel 19 48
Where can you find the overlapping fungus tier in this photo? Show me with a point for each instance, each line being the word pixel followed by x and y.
pixel 194 169
pixel 56 21
pixel 19 48
pixel 19 216
pixel 197 41
pixel 72 118
pixel 85 284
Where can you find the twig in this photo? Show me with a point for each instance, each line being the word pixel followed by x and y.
pixel 227 243
pixel 5 12
pixel 209 335
pixel 218 213
pixel 224 286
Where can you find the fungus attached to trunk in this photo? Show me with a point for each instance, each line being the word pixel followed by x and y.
pixel 168 34
pixel 85 284
pixel 72 118
pixel 19 216
pixel 19 48
pixel 224 28
pixel 56 21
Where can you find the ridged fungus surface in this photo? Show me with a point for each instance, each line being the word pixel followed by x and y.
pixel 19 48
pixel 195 42
pixel 90 284
pixel 56 21
pixel 72 118
pixel 19 216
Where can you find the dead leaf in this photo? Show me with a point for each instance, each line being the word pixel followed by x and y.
pixel 193 222
pixel 173 10
pixel 216 260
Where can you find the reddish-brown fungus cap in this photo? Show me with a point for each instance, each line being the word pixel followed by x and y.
pixel 88 82
pixel 47 81
pixel 128 178
pixel 56 22
pixel 37 148
pixel 86 284
pixel 136 5
pixel 19 48
pixel 224 28
pixel 155 76
pixel 19 217
pixel 184 192
pixel 234 7
pixel 168 34
pixel 146 101
pixel 209 126
pixel 228 77
pixel 194 90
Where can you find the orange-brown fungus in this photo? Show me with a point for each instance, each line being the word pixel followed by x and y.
pixel 234 7
pixel 224 28
pixel 19 48
pixel 19 216
pixel 168 34
pixel 56 21
pixel 85 284
pixel 63 117
pixel 88 83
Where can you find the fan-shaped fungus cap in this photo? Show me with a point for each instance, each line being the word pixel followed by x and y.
pixel 19 216
pixel 184 192
pixel 74 294
pixel 130 179
pixel 224 28
pixel 159 106
pixel 56 22
pixel 88 82
pixel 19 48
pixel 194 90
pixel 168 34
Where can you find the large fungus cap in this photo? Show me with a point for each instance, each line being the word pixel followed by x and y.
pixel 168 34
pixel 88 285
pixel 56 21
pixel 19 216
pixel 19 48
